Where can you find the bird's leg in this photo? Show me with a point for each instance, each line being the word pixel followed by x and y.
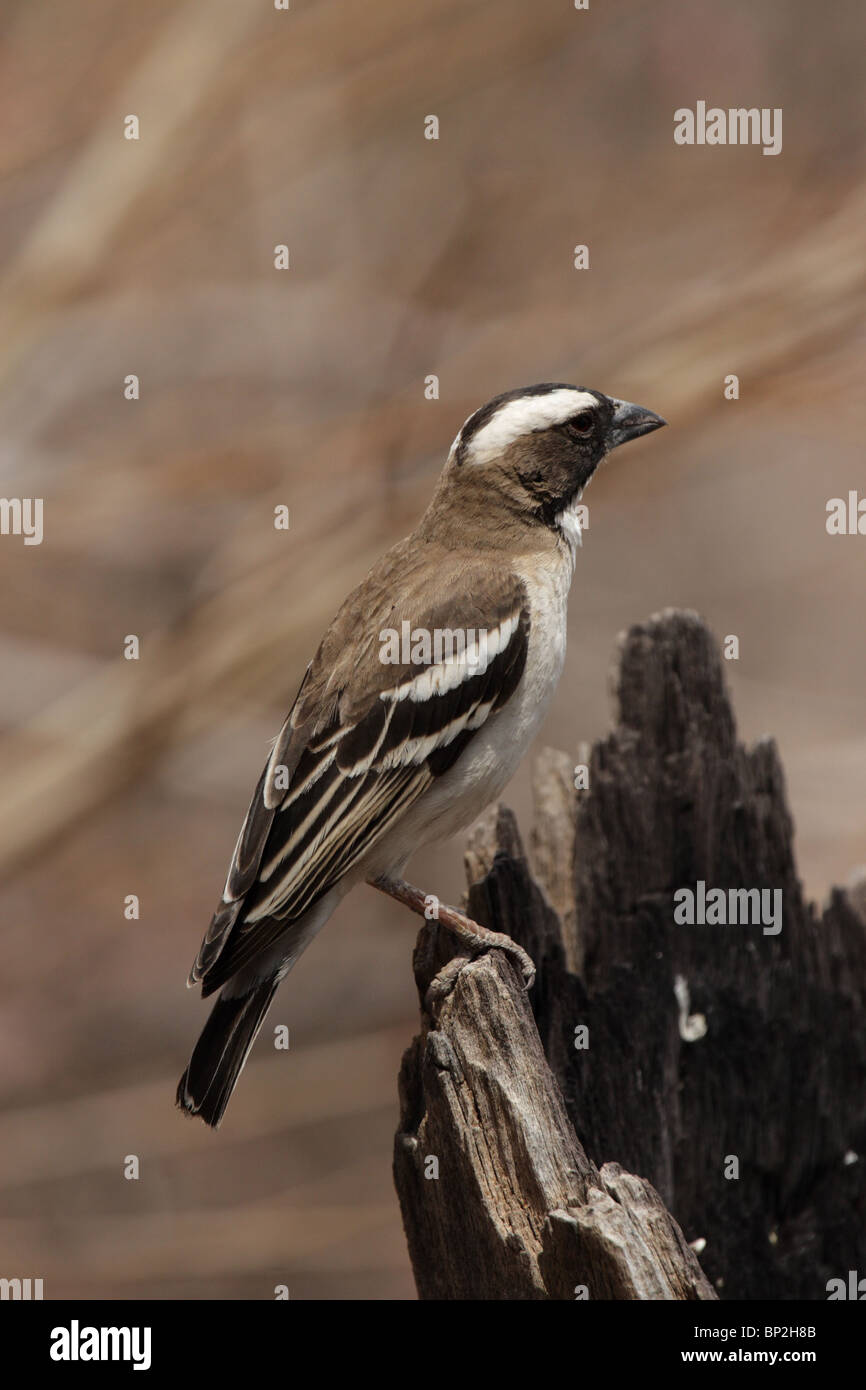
pixel 469 933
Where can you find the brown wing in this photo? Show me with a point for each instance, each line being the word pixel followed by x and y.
pixel 364 739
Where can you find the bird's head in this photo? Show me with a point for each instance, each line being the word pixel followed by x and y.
pixel 537 447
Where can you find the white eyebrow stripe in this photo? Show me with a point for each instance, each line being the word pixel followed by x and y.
pixel 527 413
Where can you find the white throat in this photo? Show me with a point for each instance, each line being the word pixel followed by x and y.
pixel 567 523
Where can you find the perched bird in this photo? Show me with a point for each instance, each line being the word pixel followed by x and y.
pixel 396 739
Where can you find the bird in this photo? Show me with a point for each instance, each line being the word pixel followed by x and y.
pixel 424 693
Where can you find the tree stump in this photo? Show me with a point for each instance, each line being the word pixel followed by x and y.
pixel 724 1064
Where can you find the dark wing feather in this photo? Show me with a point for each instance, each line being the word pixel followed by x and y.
pixel 353 755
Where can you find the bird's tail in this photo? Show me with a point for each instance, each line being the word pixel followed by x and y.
pixel 222 1049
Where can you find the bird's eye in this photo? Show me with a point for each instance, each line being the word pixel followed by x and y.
pixel 583 422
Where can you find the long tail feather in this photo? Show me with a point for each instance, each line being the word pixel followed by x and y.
pixel 222 1049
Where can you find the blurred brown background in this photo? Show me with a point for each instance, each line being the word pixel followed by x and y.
pixel 408 257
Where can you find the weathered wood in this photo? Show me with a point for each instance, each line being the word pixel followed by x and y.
pixel 499 1199
pixel 712 1049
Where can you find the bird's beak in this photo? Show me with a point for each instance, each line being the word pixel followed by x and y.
pixel 630 422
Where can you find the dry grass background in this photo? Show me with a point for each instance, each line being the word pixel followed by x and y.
pixel 408 257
